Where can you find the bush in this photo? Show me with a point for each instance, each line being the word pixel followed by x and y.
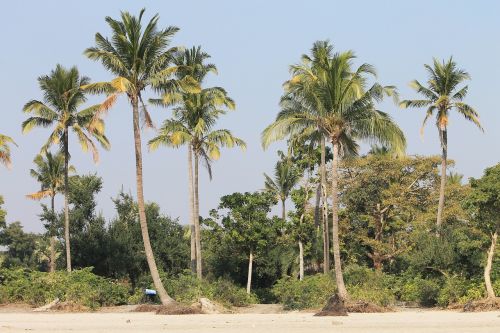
pixel 453 289
pixel 475 291
pixel 186 288
pixel 365 284
pixel 227 293
pixel 81 287
pixel 420 291
pixel 312 292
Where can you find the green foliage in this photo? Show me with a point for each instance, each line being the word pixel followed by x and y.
pixel 20 245
pixel 244 217
pixel 81 287
pixel 456 289
pixel 420 291
pixel 484 200
pixel 365 284
pixel 186 288
pixel 3 213
pixel 312 292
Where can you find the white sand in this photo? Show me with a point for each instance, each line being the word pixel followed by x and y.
pixel 400 322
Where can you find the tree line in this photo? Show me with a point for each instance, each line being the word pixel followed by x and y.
pixel 373 209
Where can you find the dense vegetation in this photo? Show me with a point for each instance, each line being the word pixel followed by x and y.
pixel 398 228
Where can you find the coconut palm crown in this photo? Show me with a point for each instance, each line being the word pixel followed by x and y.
pixel 442 95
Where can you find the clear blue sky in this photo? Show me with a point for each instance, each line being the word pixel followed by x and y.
pixel 252 43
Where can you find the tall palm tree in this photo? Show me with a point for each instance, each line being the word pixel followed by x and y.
pixel 191 63
pixel 332 97
pixel 140 58
pixel 5 150
pixel 285 179
pixel 194 115
pixel 63 96
pixel 441 96
pixel 49 173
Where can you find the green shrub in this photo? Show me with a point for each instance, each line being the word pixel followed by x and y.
pixel 81 287
pixel 496 287
pixel 312 292
pixel 420 291
pixel 452 290
pixel 365 284
pixel 475 291
pixel 186 288
pixel 227 293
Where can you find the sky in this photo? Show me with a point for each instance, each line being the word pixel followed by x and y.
pixel 253 43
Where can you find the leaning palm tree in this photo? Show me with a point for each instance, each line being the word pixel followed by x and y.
pixel 441 96
pixel 285 179
pixel 63 96
pixel 194 117
pixel 49 173
pixel 334 98
pixel 5 150
pixel 140 58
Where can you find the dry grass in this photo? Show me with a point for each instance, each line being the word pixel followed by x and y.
pixel 170 309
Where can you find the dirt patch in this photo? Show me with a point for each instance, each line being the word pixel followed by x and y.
pixel 146 308
pixel 171 309
pixel 12 308
pixel 365 307
pixel 334 307
pixel 260 309
pixel 177 309
pixel 489 304
pixel 69 307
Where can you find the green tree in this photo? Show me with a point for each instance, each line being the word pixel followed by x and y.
pixel 195 114
pixel 382 196
pixel 338 103
pixel 3 214
pixel 20 245
pixel 125 258
pixel 244 217
pixel 484 203
pixel 63 96
pixel 5 158
pixel 440 97
pixel 302 229
pixel 285 179
pixel 49 173
pixel 140 58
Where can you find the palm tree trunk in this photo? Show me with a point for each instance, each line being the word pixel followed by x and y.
pixel 317 206
pixel 197 230
pixel 283 210
pixel 52 267
pixel 487 270
pixel 326 228
pixel 162 293
pixel 443 136
pixel 191 209
pixel 342 291
pixel 301 261
pixel 66 208
pixel 249 278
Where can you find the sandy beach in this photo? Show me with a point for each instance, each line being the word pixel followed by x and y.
pixel 407 321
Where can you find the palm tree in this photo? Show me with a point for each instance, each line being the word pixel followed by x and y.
pixel 140 58
pixel 441 96
pixel 5 150
pixel 332 97
pixel 195 114
pixel 285 179
pixel 63 96
pixel 191 63
pixel 49 173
